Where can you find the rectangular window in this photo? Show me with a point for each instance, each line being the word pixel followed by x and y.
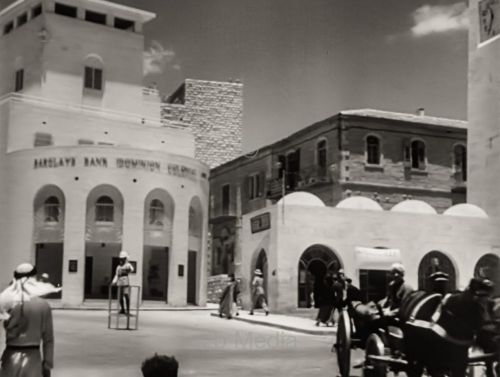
pixel 226 198
pixel 22 19
pixel 97 18
pixel 42 139
pixel 254 186
pixel 8 27
pixel 85 142
pixel 65 10
pixel 36 11
pixel 123 24
pixel 19 80
pixel 93 78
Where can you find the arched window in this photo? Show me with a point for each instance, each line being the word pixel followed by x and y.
pixel 460 162
pixel 321 150
pixel 373 150
pixel 51 209
pixel 93 73
pixel 418 154
pixel 104 209
pixel 156 212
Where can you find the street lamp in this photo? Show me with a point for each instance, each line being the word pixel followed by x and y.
pixel 281 167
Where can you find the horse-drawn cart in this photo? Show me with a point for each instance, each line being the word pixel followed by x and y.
pixel 394 344
pixel 431 334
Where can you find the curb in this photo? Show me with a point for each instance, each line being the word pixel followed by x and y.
pixel 282 326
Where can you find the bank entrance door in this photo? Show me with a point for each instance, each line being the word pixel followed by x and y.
pixel 155 273
pixel 191 276
pixel 49 260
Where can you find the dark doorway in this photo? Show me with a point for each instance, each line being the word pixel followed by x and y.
pixel 89 264
pixel 155 273
pixel 191 276
pixel 373 284
pixel 314 264
pixel 49 260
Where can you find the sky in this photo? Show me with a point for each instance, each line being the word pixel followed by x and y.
pixel 302 61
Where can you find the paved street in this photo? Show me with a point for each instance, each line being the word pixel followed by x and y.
pixel 204 346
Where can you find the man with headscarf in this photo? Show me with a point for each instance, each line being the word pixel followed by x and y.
pixel 121 280
pixel 28 326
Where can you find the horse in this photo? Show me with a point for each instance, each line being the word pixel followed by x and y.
pixel 438 331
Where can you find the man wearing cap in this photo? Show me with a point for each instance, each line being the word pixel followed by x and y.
pixel 121 280
pixel 258 293
pixel 29 325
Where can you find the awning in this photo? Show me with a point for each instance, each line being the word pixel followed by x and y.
pixel 370 258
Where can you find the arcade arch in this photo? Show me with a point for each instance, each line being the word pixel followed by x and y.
pixel 103 239
pixel 159 210
pixel 195 248
pixel 314 264
pixel 488 266
pixel 432 262
pixel 48 238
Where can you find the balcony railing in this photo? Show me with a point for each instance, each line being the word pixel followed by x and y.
pixel 307 177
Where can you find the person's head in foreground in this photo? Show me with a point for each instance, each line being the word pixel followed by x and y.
pixel 397 274
pixel 160 366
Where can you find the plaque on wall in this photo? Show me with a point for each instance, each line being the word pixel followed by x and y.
pixel 180 271
pixel 260 222
pixel 134 265
pixel 73 265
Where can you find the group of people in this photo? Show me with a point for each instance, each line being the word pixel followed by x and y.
pixel 332 295
pixel 230 300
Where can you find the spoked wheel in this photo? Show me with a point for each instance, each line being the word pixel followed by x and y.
pixel 373 367
pixel 343 344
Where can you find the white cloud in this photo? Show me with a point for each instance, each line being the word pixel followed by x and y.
pixel 156 58
pixel 432 19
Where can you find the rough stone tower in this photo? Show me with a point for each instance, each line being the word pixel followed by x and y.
pixel 214 111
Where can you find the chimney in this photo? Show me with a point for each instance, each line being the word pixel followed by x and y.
pixel 421 111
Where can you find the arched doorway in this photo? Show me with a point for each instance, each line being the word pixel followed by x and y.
pixel 314 264
pixel 194 249
pixel 432 262
pixel 49 214
pixel 261 264
pixel 159 209
pixel 488 266
pixel 103 239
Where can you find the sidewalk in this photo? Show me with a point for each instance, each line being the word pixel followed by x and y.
pixel 285 322
pixel 145 306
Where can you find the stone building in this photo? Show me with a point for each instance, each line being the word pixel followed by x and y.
pixel 388 157
pixel 214 112
pixel 87 165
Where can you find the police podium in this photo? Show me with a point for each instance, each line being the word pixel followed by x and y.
pixel 130 320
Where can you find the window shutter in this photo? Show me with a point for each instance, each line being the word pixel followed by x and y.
pixel 88 78
pixel 261 185
pixel 97 79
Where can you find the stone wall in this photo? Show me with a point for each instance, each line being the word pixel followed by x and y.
pixel 216 285
pixel 214 112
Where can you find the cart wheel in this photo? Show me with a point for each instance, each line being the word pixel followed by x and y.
pixel 343 344
pixel 374 346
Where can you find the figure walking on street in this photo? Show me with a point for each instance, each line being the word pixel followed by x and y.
pixel 229 299
pixel 121 280
pixel 28 326
pixel 326 302
pixel 258 293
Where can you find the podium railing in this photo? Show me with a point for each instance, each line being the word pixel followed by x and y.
pixel 130 319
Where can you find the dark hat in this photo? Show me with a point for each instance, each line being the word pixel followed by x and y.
pixel 481 287
pixel 439 276
pixel 24 270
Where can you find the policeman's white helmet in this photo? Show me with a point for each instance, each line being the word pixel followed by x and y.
pixel 123 254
